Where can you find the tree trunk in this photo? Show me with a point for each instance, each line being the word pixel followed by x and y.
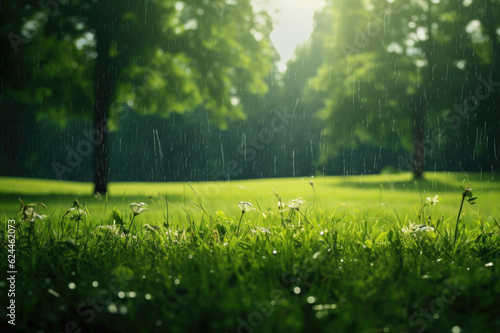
pixel 105 77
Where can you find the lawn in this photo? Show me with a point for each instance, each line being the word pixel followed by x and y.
pixel 353 254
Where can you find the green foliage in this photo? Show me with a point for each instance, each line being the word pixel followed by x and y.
pixel 404 75
pixel 162 56
pixel 310 265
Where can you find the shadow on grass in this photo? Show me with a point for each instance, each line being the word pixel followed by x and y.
pixel 435 184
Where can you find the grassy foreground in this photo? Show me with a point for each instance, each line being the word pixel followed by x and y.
pixel 353 254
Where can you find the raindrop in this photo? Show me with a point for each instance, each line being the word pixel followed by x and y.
pixel 123 310
pixel 53 292
pixel 71 285
pixel 112 308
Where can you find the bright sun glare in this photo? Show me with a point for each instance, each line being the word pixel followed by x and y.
pixel 293 24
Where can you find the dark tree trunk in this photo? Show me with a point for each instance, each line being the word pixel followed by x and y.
pixel 105 77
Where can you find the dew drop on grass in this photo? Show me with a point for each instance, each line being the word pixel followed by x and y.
pixel 112 308
pixel 131 294
pixel 274 251
pixel 53 292
pixel 311 299
pixel 71 285
pixel 177 281
pixel 297 290
pixel 121 294
pixel 95 284
pixel 147 296
pixel 123 310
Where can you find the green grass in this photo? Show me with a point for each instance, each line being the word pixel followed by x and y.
pixel 341 263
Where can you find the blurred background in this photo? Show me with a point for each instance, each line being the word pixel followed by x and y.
pixel 218 90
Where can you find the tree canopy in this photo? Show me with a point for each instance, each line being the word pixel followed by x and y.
pixel 394 73
pixel 157 57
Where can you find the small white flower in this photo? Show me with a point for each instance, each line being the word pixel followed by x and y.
pixel 432 201
pixel 112 228
pixel 76 213
pixel 295 203
pixel 245 206
pixel 424 228
pixel 138 208
pixel 417 228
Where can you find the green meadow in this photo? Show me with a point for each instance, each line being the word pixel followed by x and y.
pixel 377 253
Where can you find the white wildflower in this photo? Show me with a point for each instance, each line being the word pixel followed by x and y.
pixel 138 208
pixel 245 206
pixel 417 229
pixel 432 201
pixel 295 203
pixel 423 229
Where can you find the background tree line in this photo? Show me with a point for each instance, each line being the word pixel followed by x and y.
pixel 190 91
